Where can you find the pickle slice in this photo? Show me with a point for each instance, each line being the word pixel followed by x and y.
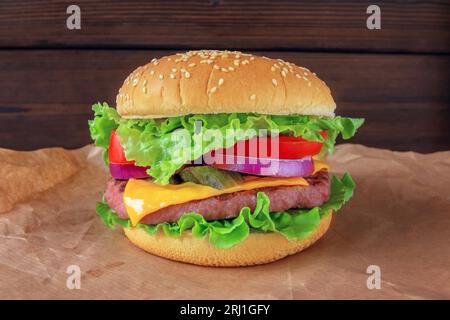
pixel 209 176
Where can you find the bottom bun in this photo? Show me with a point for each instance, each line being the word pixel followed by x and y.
pixel 258 248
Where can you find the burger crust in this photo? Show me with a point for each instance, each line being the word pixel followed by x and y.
pixel 210 82
pixel 258 248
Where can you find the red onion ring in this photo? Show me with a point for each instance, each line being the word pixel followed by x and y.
pixel 270 167
pixel 127 171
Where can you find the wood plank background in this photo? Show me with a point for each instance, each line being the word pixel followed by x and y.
pixel 396 77
pixel 407 26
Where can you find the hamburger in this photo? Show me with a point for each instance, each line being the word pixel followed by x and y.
pixel 218 158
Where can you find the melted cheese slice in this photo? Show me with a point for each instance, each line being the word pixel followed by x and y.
pixel 143 197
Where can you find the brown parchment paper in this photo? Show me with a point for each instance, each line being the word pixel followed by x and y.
pixel 399 220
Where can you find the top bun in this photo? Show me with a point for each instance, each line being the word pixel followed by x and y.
pixel 210 81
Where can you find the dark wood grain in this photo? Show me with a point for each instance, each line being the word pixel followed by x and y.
pixel 46 96
pixel 407 26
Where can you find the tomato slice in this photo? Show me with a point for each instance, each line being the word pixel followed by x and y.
pixel 115 153
pixel 297 147
pixel 289 147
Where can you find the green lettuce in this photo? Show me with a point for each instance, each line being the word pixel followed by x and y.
pixel 150 142
pixel 295 224
pixel 106 119
pixel 109 217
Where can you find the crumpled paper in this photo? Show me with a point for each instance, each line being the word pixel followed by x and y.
pixel 398 221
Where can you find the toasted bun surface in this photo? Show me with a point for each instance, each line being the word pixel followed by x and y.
pixel 209 81
pixel 258 248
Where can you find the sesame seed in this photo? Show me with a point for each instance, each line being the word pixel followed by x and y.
pixel 144 89
pixel 221 81
pixel 304 78
pixel 174 70
pixel 191 65
pixel 216 67
pixel 183 70
pixel 283 73
pixel 305 73
pixel 152 72
pixel 153 60
pixel 231 68
pixel 213 89
pixel 275 82
pixel 145 82
pixel 272 68
pixel 161 77
pixel 252 58
pixel 276 66
pixel 298 76
pixel 253 97
pixel 172 76
pixel 135 81
pixel 236 62
pixel 224 69
pixel 187 75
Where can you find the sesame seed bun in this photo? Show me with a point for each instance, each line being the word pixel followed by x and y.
pixel 209 81
pixel 258 248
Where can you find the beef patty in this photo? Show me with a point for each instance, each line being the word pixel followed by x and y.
pixel 229 205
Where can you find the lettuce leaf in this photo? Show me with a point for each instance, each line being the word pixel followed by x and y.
pixel 105 120
pixel 109 217
pixel 150 142
pixel 296 224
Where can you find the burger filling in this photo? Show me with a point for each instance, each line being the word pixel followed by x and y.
pixel 229 205
pixel 168 177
